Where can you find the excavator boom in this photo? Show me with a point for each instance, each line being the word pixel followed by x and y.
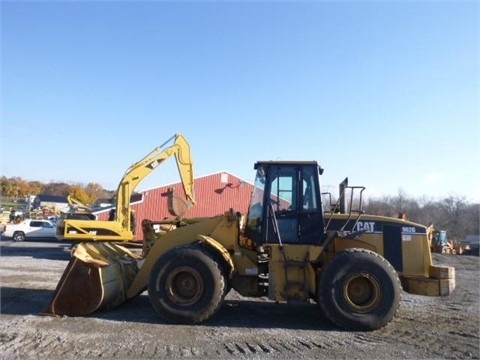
pixel 139 170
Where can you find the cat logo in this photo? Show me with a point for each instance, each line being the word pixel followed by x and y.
pixel 153 164
pixel 367 226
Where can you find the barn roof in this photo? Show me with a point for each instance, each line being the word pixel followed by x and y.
pixel 52 198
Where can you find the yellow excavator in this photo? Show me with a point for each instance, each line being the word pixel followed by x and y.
pixel 120 227
pixel 290 247
pixel 76 205
pixel 77 210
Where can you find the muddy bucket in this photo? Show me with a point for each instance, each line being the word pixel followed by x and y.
pixel 97 276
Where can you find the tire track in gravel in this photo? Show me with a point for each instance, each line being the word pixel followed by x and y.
pixel 298 347
pixel 32 345
pixel 450 342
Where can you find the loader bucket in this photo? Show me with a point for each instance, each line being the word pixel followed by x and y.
pixel 97 276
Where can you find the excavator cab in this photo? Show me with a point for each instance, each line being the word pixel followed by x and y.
pixel 291 209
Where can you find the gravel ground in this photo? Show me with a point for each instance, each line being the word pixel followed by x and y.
pixel 425 328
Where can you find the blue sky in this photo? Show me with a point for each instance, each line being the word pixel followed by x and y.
pixel 386 93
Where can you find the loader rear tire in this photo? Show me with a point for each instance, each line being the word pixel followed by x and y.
pixel 359 290
pixel 186 286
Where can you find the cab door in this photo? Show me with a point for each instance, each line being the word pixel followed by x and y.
pixel 310 214
pixel 294 206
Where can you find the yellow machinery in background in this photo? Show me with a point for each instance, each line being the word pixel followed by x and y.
pixel 120 227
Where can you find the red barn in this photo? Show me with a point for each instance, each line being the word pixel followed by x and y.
pixel 214 194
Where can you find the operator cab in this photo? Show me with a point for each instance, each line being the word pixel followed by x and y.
pixel 286 204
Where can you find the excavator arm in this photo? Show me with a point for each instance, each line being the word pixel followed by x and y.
pixel 139 170
pixel 120 228
pixel 76 205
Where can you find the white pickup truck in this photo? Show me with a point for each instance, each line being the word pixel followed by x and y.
pixel 29 229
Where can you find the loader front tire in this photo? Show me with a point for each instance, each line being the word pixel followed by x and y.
pixel 359 290
pixel 186 286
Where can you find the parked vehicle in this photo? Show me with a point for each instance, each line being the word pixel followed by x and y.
pixel 441 244
pixel 53 219
pixel 30 229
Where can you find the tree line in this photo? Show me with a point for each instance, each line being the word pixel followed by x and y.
pixel 17 188
pixel 453 213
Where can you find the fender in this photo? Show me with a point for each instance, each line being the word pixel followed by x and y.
pixel 220 249
pixel 342 243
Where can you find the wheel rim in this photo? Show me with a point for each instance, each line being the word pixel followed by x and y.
pixel 362 292
pixel 18 237
pixel 184 286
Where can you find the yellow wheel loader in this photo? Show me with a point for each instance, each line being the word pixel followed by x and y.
pixel 287 248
